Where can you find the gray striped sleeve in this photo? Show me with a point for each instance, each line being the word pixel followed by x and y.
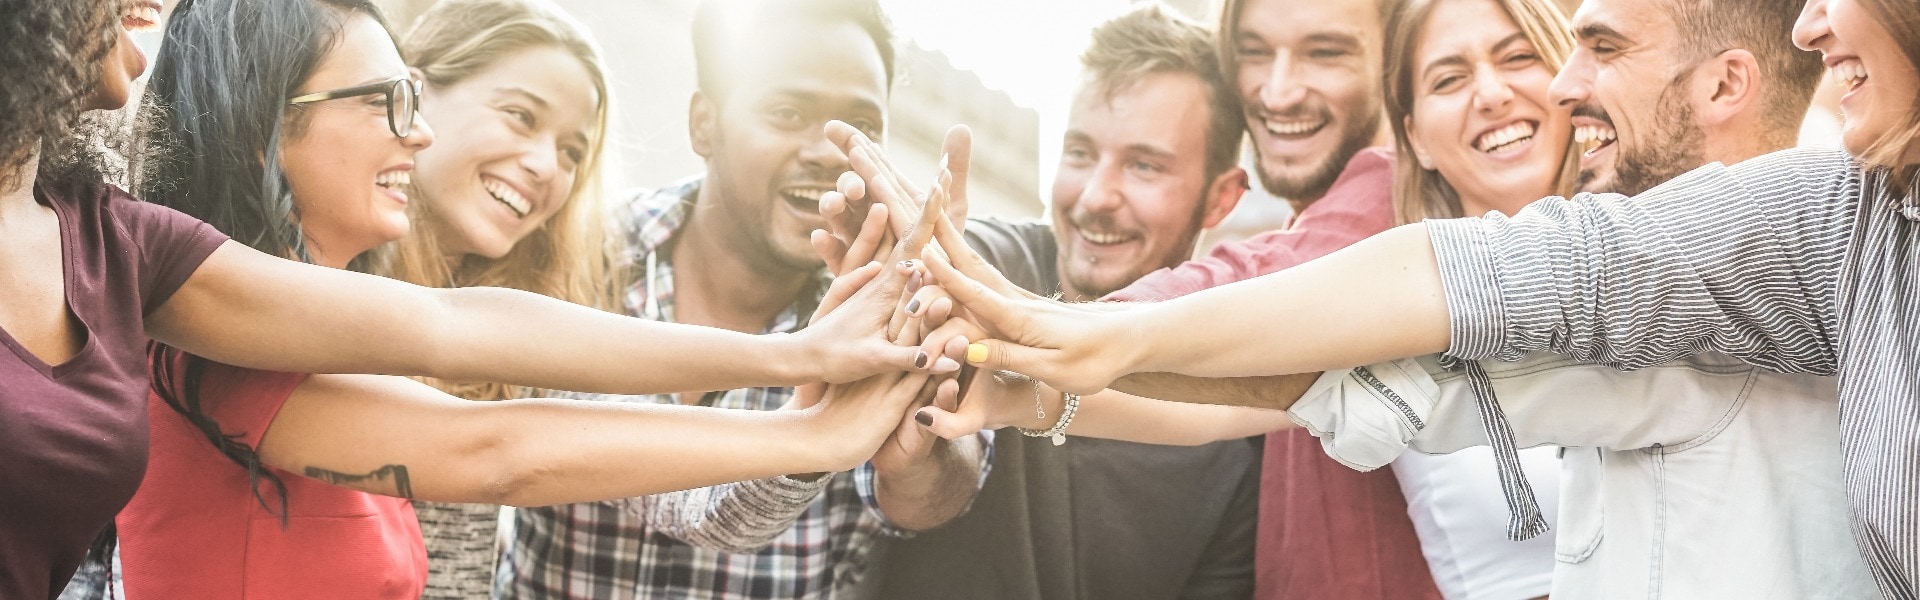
pixel 1742 259
pixel 736 517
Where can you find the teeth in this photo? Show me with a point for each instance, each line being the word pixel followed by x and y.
pixel 506 195
pixel 147 16
pixel 1505 136
pixel 394 179
pixel 1293 127
pixel 1103 239
pixel 1592 137
pixel 808 194
pixel 1849 74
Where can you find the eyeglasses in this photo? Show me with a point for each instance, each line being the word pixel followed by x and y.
pixel 403 100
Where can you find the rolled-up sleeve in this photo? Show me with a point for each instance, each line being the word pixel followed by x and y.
pixel 1743 260
pixel 735 517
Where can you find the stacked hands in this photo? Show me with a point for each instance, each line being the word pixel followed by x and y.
pixel 898 254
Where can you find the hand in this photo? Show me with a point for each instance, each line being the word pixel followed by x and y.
pixel 993 400
pixel 1072 348
pixel 853 334
pixel 846 209
pixel 853 420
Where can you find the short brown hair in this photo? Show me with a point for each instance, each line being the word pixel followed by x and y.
pixel 1707 28
pixel 1151 39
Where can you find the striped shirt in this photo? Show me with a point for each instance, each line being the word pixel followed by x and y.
pixel 762 539
pixel 1800 261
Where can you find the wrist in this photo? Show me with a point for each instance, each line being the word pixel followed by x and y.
pixel 794 360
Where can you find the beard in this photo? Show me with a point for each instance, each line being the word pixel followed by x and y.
pixel 1356 136
pixel 1675 146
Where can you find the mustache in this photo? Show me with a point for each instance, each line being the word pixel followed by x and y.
pixel 1592 112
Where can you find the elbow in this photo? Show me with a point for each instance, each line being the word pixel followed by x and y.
pixel 505 472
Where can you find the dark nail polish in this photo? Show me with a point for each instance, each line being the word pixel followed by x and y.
pixel 924 419
pixel 913 306
pixel 920 360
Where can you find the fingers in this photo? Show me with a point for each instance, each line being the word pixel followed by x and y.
pixel 830 249
pixel 958 149
pixel 873 234
pixel 990 309
pixel 948 417
pixel 968 262
pixel 844 287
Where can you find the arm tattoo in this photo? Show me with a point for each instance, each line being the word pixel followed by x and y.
pixel 393 475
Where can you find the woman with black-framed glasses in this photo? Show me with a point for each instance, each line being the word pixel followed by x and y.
pixel 94 272
pixel 401 94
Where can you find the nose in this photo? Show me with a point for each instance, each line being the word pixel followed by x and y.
pixel 541 160
pixel 1811 31
pixel 1102 190
pixel 1574 85
pixel 819 152
pixel 1491 92
pixel 421 136
pixel 1283 88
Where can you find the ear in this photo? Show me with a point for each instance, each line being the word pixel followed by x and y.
pixel 1726 87
pixel 1419 150
pixel 1222 196
pixel 703 124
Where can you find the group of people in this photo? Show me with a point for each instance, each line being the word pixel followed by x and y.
pixel 1671 326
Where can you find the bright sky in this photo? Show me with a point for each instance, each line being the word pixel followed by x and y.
pixel 1030 50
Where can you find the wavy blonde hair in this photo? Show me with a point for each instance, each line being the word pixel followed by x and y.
pixel 1419 193
pixel 570 257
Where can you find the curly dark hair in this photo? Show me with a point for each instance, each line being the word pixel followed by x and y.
pixel 51 52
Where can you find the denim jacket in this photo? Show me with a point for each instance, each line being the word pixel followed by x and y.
pixel 1699 478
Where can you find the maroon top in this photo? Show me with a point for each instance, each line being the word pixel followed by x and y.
pixel 1325 531
pixel 73 436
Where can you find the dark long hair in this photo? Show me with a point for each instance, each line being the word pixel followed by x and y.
pixel 218 100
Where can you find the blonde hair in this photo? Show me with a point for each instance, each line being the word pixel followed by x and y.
pixel 1419 193
pixel 1893 148
pixel 570 257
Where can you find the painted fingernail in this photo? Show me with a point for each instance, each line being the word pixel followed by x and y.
pixel 920 360
pixel 924 419
pixel 910 264
pixel 976 353
pixel 913 306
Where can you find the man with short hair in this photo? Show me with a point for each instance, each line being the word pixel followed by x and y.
pixel 1146 164
pixel 732 250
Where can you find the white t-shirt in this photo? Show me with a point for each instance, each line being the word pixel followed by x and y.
pixel 1458 511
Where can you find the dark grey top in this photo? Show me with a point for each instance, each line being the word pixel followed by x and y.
pixel 1092 519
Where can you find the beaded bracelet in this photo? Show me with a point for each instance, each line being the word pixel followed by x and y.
pixel 1059 430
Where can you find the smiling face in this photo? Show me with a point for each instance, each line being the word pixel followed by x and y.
pixel 345 167
pixel 1481 114
pixel 1309 76
pixel 511 138
pixel 1131 194
pixel 768 157
pixel 1626 87
pixel 1880 82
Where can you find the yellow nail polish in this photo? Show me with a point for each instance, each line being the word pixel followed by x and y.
pixel 976 353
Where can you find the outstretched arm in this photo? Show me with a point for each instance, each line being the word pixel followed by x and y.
pixel 245 308
pixel 399 437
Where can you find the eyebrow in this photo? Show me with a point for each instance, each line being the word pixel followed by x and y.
pixel 524 93
pixel 1458 60
pixel 861 102
pixel 1593 30
pixel 1334 37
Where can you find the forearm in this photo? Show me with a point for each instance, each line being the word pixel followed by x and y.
pixel 399 437
pixel 1276 392
pixel 1119 416
pixel 936 489
pixel 1380 299
pixel 735 517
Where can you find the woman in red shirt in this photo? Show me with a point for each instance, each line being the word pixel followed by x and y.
pixel 91 273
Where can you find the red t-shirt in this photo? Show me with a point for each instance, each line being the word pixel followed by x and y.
pixel 1326 531
pixel 73 436
pixel 195 529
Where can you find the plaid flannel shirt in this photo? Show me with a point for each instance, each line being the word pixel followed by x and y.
pixel 762 539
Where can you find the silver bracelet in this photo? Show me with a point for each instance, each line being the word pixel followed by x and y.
pixel 1059 430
